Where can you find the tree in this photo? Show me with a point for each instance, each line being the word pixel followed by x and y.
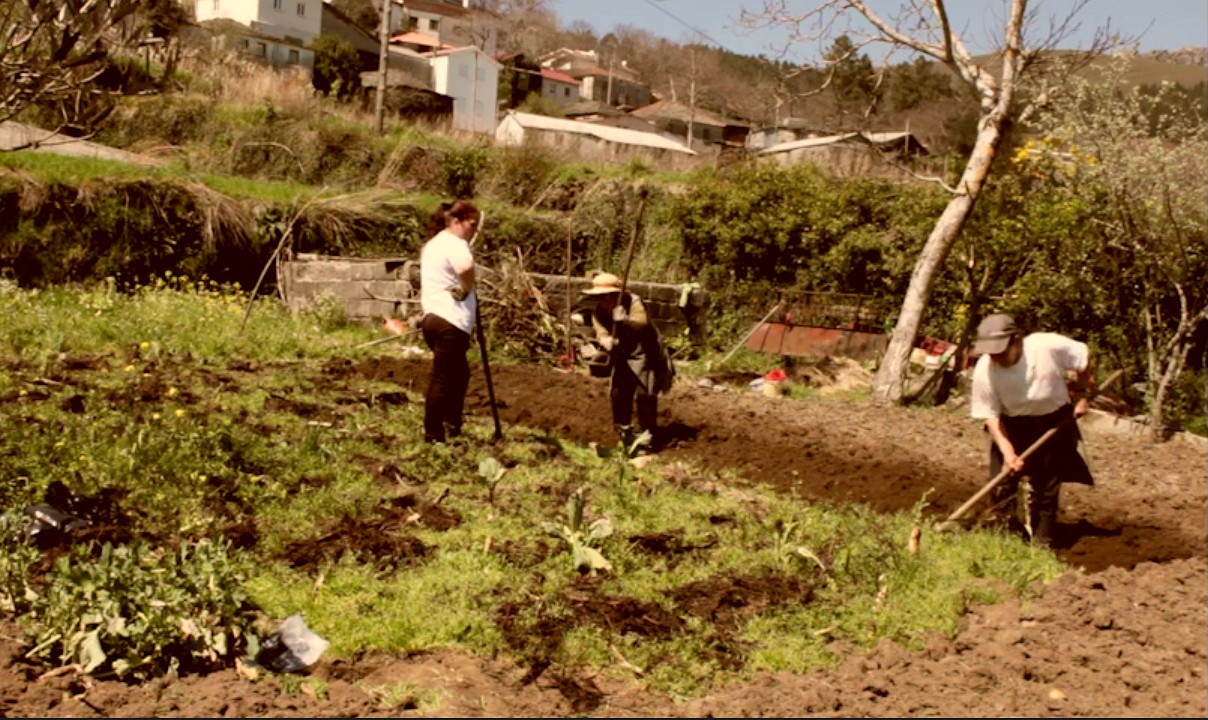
pixel 524 26
pixel 912 84
pixel 926 28
pixel 363 13
pixel 337 67
pixel 853 82
pixel 1140 158
pixel 52 50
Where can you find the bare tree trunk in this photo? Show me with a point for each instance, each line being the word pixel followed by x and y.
pixel 1165 368
pixel 890 379
pixel 1157 410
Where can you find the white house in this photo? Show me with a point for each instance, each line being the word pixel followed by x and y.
pixel 450 22
pixel 471 77
pixel 281 30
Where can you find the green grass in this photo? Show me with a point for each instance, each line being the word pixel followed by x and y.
pixel 198 424
pixel 51 168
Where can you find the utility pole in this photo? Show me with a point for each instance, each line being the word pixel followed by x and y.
pixel 692 97
pixel 611 60
pixel 383 63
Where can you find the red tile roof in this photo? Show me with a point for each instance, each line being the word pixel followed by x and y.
pixel 558 76
pixel 418 38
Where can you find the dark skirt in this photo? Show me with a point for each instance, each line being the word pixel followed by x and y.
pixel 1058 460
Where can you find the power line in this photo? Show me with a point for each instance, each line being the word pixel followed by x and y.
pixel 669 14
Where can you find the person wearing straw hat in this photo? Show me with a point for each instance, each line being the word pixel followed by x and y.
pixel 450 304
pixel 640 367
pixel 1021 389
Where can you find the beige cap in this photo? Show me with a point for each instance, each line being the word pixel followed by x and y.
pixel 603 284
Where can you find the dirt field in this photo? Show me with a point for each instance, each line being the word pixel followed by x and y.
pixel 1124 633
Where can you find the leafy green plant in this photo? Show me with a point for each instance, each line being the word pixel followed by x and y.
pixel 461 169
pixel 789 550
pixel 17 558
pixel 491 471
pixel 582 538
pixel 140 611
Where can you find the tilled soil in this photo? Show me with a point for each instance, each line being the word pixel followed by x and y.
pixel 1124 633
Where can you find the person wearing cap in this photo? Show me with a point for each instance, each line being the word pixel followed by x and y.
pixel 449 306
pixel 1021 390
pixel 640 367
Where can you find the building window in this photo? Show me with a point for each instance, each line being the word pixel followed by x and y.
pixel 215 5
pixel 277 4
pixel 301 9
pixel 566 91
pixel 413 23
pixel 261 49
pixel 293 57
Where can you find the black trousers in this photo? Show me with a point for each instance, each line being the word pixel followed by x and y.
pixel 625 392
pixel 445 399
pixel 1054 463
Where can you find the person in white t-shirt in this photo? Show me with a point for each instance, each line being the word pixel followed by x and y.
pixel 449 303
pixel 1021 388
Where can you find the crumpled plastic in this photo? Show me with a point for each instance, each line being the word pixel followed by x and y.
pixel 292 648
pixel 47 525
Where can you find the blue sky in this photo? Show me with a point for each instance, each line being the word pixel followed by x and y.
pixel 1171 23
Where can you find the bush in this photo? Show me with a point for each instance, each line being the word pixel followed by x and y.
pixel 139 611
pixel 460 168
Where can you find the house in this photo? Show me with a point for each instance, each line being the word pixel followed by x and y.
pixel 851 154
pixel 614 85
pixel 451 23
pixel 470 76
pixel 526 78
pixel 674 118
pixel 783 131
pixel 278 32
pixel 600 142
pixel 558 87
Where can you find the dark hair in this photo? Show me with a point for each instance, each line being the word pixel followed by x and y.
pixel 457 210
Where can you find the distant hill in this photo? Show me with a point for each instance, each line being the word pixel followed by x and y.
pixel 1182 56
pixel 1187 67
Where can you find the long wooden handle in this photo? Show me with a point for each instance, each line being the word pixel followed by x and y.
pixel 486 370
pixel 633 241
pixel 1006 472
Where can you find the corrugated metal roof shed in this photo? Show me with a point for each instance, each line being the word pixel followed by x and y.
pixel 604 132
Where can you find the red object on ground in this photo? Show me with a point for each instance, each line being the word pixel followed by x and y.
pixel 775 375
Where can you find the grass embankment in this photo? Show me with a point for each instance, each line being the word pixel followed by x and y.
pixel 265 441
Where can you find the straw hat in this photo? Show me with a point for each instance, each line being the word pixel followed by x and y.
pixel 603 284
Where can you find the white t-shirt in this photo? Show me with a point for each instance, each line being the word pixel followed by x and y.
pixel 442 259
pixel 1036 385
